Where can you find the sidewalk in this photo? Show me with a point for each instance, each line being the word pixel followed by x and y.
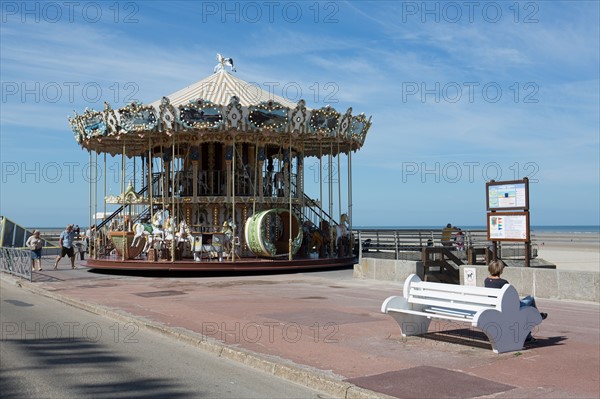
pixel 325 330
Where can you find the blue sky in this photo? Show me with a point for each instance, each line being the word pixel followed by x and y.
pixel 460 93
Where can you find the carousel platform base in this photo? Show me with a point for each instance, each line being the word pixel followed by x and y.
pixel 240 264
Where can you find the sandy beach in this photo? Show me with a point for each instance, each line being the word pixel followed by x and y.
pixel 570 251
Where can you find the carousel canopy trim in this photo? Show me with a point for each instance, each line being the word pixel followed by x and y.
pixel 214 110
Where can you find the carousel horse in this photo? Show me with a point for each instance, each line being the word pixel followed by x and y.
pixel 153 232
pixel 140 230
pixel 169 228
pixel 183 236
pixel 342 235
pixel 227 230
pixel 230 241
pixel 325 230
pixel 306 237
pixel 158 222
pixel 149 244
pixel 316 241
pixel 184 231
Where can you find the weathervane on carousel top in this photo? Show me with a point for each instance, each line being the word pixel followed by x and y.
pixel 224 62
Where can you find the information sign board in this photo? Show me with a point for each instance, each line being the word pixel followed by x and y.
pixel 505 195
pixel 508 226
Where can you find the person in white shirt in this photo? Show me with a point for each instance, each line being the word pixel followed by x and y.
pixel 35 244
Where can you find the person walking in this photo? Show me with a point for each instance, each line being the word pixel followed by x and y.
pixel 35 244
pixel 66 246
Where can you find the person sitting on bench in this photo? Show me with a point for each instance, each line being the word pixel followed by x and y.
pixel 495 268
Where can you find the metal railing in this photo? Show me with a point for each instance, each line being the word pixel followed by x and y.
pixel 16 261
pixel 408 244
pixel 122 207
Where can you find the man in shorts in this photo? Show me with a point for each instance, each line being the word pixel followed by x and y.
pixel 66 246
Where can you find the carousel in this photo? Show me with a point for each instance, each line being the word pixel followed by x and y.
pixel 213 178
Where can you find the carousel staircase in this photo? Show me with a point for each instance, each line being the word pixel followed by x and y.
pixel 312 211
pixel 123 207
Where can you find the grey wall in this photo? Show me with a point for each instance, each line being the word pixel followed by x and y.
pixel 541 283
pixel 546 283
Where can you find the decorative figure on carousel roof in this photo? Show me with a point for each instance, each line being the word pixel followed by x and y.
pixel 224 62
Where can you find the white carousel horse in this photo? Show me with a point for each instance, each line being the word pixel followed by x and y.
pixel 153 232
pixel 140 230
pixel 184 231
pixel 158 222
pixel 342 233
pixel 169 228
pixel 184 236
pixel 230 241
pixel 343 229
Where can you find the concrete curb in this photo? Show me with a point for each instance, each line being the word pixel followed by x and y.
pixel 304 375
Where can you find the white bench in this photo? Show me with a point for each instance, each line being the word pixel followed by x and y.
pixel 494 311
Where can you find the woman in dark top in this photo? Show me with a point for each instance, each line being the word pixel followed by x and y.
pixel 496 267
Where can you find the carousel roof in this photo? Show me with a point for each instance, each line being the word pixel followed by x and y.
pixel 217 109
pixel 219 87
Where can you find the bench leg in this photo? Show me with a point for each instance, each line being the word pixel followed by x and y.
pixel 507 333
pixel 411 324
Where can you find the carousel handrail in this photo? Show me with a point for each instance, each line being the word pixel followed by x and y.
pixel 122 207
pixel 144 214
pixel 314 204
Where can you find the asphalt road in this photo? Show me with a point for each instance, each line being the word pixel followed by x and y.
pixel 51 350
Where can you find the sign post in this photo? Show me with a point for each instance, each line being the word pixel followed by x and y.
pixel 508 213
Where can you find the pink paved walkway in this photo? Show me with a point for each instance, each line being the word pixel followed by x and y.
pixel 332 323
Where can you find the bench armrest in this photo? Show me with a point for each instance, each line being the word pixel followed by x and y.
pixel 394 302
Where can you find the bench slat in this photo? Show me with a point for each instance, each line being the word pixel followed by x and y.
pixel 450 305
pixel 467 289
pixel 450 312
pixel 452 296
pixel 435 316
